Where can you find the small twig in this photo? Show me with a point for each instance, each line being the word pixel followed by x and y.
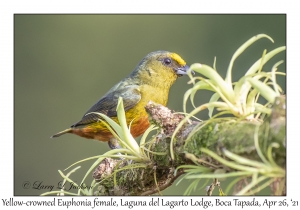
pixel 212 187
pixel 163 186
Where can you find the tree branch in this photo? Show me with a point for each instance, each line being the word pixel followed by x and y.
pixel 233 134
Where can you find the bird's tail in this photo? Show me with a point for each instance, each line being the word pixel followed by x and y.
pixel 62 132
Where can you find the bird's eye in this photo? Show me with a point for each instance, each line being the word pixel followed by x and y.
pixel 167 61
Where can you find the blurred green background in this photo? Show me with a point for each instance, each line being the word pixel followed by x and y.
pixel 64 63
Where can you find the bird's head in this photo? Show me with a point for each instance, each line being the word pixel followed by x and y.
pixel 161 67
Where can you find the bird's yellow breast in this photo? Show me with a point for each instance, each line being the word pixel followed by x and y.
pixel 155 94
pixel 137 115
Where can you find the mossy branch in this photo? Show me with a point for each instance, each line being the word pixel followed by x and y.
pixel 236 136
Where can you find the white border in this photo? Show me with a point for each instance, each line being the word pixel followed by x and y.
pixel 8 8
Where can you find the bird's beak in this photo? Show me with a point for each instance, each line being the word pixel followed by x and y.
pixel 183 70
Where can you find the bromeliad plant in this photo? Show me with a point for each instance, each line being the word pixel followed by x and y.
pixel 131 151
pixel 240 98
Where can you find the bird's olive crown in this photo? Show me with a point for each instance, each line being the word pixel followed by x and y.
pixel 168 59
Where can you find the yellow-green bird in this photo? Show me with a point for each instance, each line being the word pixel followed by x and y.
pixel 150 80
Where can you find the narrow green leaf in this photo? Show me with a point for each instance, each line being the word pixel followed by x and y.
pixel 270 154
pixel 57 192
pixel 127 135
pixel 215 63
pixel 261 60
pixel 121 150
pixel 251 185
pixel 274 69
pixel 215 97
pixel 250 104
pixel 201 85
pixel 218 176
pixel 71 181
pixel 242 160
pixel 254 68
pixel 143 139
pixel 232 183
pixel 239 51
pixel 263 89
pixel 185 98
pixel 112 123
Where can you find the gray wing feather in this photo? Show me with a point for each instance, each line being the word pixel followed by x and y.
pixel 108 104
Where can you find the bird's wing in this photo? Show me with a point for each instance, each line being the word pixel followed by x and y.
pixel 108 104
